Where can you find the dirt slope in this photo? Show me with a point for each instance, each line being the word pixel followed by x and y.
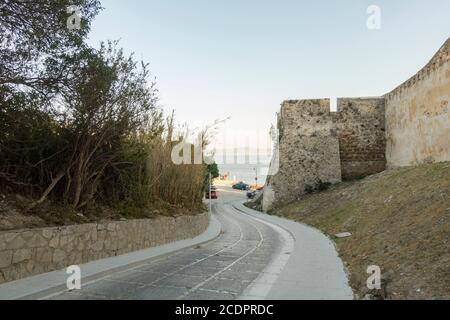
pixel 399 220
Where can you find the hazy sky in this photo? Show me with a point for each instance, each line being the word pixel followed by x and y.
pixel 242 58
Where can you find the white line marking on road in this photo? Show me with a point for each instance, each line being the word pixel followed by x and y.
pixel 229 266
pixel 166 257
pixel 261 286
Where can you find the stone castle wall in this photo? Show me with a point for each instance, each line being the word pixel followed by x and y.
pixel 318 147
pixel 360 125
pixel 308 149
pixel 408 126
pixel 29 252
pixel 418 115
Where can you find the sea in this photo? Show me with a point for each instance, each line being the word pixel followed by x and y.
pixel 245 168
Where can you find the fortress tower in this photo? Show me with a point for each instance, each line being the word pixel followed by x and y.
pixel 316 147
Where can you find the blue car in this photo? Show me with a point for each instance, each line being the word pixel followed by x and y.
pixel 241 186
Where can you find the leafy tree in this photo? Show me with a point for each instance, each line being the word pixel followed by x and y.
pixel 79 124
pixel 213 169
pixel 35 42
pixel 109 99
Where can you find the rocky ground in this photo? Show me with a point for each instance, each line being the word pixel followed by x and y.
pixel 398 220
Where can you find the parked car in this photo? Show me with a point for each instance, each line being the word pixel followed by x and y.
pixel 251 194
pixel 241 186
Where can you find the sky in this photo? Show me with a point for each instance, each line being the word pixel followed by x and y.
pixel 241 58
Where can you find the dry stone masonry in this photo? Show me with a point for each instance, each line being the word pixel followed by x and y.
pixel 308 149
pixel 316 147
pixel 360 125
pixel 29 252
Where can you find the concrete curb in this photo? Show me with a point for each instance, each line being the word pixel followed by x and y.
pixel 313 271
pixel 261 286
pixel 43 285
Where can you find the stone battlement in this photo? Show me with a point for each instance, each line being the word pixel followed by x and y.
pixel 439 60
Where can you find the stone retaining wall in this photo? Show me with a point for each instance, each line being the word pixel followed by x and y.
pixel 33 251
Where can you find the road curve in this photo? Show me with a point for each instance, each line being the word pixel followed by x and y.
pixel 221 269
pixel 256 256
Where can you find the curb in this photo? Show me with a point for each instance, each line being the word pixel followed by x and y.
pixel 314 270
pixel 259 289
pixel 51 283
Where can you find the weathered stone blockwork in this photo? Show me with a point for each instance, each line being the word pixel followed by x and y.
pixel 308 150
pixel 28 252
pixel 360 124
pixel 418 115
pixel 317 147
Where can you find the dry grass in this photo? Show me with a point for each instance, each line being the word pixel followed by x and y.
pixel 152 186
pixel 52 214
pixel 399 220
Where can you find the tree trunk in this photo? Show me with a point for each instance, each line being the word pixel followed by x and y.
pixel 78 181
pixel 47 191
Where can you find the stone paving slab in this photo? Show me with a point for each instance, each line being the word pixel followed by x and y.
pixel 143 278
pixel 203 272
pixel 157 293
pixel 253 256
pixel 210 295
pixel 312 271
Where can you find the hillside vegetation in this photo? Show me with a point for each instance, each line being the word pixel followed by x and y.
pixel 399 220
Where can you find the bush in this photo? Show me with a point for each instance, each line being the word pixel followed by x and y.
pixel 319 186
pixel 92 133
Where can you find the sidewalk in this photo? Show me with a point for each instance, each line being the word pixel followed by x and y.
pixel 312 270
pixel 42 285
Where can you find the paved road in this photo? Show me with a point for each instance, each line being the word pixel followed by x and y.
pixel 224 268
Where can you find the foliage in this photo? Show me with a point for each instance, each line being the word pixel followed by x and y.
pixel 213 169
pixel 35 43
pixel 80 125
pixel 319 186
